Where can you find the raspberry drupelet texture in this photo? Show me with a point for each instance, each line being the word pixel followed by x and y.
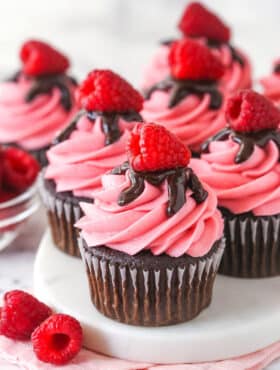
pixel 152 147
pixel 248 111
pixel 20 169
pixel 198 21
pixel 106 91
pixel 41 59
pixel 189 59
pixel 58 339
pixel 21 314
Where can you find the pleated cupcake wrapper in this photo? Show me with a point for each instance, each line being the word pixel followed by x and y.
pixel 62 216
pixel 150 296
pixel 252 246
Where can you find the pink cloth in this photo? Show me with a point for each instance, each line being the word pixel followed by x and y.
pixel 21 354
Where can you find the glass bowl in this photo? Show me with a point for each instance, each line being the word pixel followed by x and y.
pixel 15 212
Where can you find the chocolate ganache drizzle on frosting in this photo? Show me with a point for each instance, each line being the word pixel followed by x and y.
pixel 247 141
pixel 110 124
pixel 178 180
pixel 215 45
pixel 45 84
pixel 234 53
pixel 277 68
pixel 180 89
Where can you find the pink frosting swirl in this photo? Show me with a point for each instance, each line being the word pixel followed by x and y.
pixel 143 224
pixel 32 125
pixel 78 163
pixel 235 77
pixel 271 87
pixel 191 120
pixel 251 186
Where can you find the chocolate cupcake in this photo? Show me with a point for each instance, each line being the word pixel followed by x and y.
pixel 200 23
pixel 188 101
pixel 241 164
pixel 151 242
pixel 38 100
pixel 90 146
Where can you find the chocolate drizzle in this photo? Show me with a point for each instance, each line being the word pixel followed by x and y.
pixel 247 141
pixel 276 68
pixel 215 45
pixel 14 77
pixel 110 125
pixel 45 84
pixel 234 53
pixel 182 88
pixel 67 131
pixel 178 181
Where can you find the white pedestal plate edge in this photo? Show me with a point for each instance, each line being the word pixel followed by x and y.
pixel 244 316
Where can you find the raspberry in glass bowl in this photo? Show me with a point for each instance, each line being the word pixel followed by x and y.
pixel 18 196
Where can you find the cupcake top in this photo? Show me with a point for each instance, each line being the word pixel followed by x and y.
pixel 188 102
pixel 95 141
pixel 271 84
pixel 200 23
pixel 153 201
pixel 39 99
pixel 241 163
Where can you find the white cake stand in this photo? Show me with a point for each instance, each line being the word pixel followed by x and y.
pixel 244 316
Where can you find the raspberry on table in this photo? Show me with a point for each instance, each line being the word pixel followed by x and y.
pixel 106 91
pixel 40 59
pixel 198 21
pixel 189 59
pixel 152 147
pixel 248 111
pixel 58 339
pixel 21 314
pixel 20 170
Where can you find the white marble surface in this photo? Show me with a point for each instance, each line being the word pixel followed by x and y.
pixel 119 34
pixel 61 282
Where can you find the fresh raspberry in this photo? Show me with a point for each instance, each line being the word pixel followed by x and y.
pixel 21 314
pixel 20 169
pixel 198 21
pixel 152 147
pixel 6 195
pixel 1 167
pixel 248 111
pixel 106 91
pixel 189 59
pixel 58 339
pixel 41 59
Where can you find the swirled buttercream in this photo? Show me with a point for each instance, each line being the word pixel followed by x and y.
pixel 191 120
pixel 78 163
pixel 236 76
pixel 32 124
pixel 143 224
pixel 251 186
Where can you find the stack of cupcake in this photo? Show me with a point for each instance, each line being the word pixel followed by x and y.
pixel 151 223
pixel 90 146
pixel 188 80
pixel 199 23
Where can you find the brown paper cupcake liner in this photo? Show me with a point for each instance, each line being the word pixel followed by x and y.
pixel 252 245
pixel 150 290
pixel 63 212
